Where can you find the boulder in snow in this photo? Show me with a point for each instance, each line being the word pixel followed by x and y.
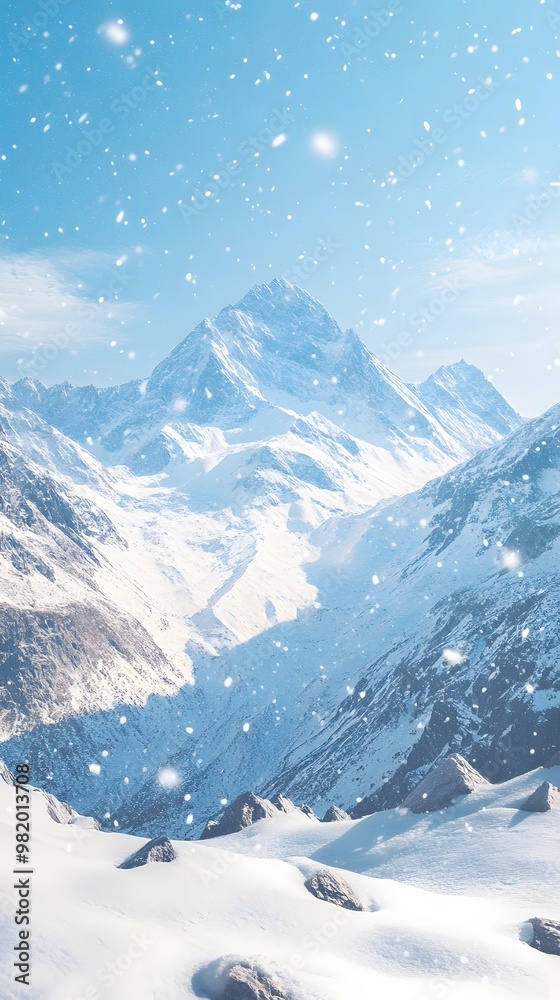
pixel 332 888
pixel 450 780
pixel 335 815
pixel 546 936
pixel 246 810
pixel 158 850
pixel 545 797
pixel 247 983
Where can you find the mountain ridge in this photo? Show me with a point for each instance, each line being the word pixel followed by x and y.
pixel 236 531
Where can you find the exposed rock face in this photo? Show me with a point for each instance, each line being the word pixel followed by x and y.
pixel 61 812
pixel 246 983
pixel 58 811
pixel 546 936
pixel 158 850
pixel 335 815
pixel 6 775
pixel 246 810
pixel 212 829
pixel 283 804
pixel 545 797
pixel 307 810
pixel 332 888
pixel 441 787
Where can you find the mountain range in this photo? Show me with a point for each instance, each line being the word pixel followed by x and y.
pixel 273 564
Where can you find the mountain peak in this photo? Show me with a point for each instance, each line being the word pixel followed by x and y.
pixel 462 391
pixel 291 310
pixel 459 370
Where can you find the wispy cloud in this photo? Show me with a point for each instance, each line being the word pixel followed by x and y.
pixel 507 280
pixel 75 300
pixel 503 317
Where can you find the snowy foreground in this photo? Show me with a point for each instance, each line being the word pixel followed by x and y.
pixel 447 897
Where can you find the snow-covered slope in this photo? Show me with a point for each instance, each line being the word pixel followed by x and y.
pixel 243 563
pixel 447 901
pixel 261 425
pixel 467 404
pixel 431 626
pixel 76 628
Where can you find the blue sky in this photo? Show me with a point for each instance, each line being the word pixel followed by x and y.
pixel 116 121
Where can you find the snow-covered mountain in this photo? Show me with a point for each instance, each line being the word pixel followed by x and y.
pixel 467 404
pixel 433 629
pixel 77 628
pixel 275 360
pixel 238 565
pixel 445 905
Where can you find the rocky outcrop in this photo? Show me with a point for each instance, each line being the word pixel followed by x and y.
pixel 307 811
pixel 546 936
pixel 332 888
pixel 545 798
pixel 247 809
pixel 450 780
pixel 159 850
pixel 283 804
pixel 58 811
pixel 6 775
pixel 247 983
pixel 335 815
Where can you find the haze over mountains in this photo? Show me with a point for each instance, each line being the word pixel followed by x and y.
pixel 216 555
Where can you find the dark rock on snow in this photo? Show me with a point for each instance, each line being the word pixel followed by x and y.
pixel 246 810
pixel 335 815
pixel 451 779
pixel 332 888
pixel 546 936
pixel 158 850
pixel 545 797
pixel 212 829
pixel 246 983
